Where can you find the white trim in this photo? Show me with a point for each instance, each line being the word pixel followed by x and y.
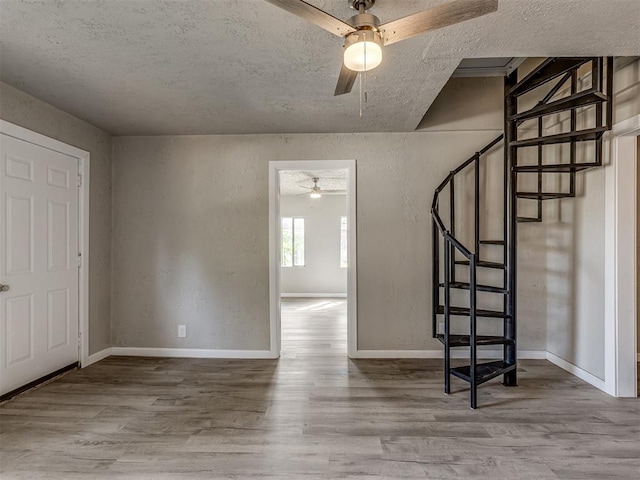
pixel 190 353
pixel 577 371
pixel 84 168
pixel 83 298
pixel 27 135
pixel 313 295
pixel 523 355
pixel 96 357
pixel 274 242
pixel 628 127
pixel 620 201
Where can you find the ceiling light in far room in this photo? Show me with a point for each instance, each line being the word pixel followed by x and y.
pixel 363 50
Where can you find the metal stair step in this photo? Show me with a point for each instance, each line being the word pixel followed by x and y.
pixel 465 312
pixel 579 136
pixel 544 195
pixel 482 263
pixel 480 288
pixel 557 167
pixel 580 99
pixel 491 242
pixel 546 71
pixel 463 340
pixel 484 371
pixel 528 220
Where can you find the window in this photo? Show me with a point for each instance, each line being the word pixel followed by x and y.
pixel 292 242
pixel 343 242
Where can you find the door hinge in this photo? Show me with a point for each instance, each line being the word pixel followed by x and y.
pixel 79 180
pixel 79 341
pixel 79 260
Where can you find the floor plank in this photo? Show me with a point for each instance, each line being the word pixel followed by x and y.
pixel 313 414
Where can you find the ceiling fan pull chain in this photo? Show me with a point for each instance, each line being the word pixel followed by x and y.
pixel 360 96
pixel 363 82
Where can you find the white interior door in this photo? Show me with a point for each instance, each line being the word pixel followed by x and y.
pixel 38 262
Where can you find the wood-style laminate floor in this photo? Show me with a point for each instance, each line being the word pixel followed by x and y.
pixel 313 414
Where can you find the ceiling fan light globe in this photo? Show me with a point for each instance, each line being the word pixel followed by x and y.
pixel 363 51
pixel 315 195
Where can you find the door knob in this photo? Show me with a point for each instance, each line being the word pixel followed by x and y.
pixel 4 288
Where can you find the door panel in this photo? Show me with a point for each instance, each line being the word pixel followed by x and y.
pixel 39 240
pixel 19 328
pixel 19 234
pixel 59 316
pixel 58 236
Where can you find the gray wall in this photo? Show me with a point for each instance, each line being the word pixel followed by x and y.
pixel 574 246
pixel 21 109
pixel 322 272
pixel 191 235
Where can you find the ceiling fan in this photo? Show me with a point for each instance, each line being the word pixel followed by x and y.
pixel 364 36
pixel 317 192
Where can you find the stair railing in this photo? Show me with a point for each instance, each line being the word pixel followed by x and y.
pixel 451 244
pixel 560 70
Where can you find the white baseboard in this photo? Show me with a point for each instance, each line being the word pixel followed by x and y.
pixel 96 357
pixel 313 295
pixel 190 353
pixel 488 354
pixel 577 371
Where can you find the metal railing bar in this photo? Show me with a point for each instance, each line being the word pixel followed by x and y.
pixel 447 318
pixel 555 89
pixel 473 340
pixel 477 206
pixel 452 225
pixel 492 144
pixel 435 287
pixel 463 250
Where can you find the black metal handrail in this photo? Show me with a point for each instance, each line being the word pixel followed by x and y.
pixel 561 70
pixel 451 242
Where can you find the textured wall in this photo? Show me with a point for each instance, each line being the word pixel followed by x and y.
pixel 24 110
pixel 322 272
pixel 191 235
pixel 574 246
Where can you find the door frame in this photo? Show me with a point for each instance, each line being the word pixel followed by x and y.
pixel 621 282
pixel 275 167
pixel 84 161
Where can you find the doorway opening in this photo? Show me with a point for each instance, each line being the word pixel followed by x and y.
pixel 312 258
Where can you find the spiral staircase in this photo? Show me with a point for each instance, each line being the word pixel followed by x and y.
pixel 544 145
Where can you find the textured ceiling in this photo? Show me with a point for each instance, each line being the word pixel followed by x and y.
pixel 292 181
pixel 227 66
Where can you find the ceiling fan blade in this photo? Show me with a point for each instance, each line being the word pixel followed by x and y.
pixel 315 15
pixel 346 79
pixel 437 17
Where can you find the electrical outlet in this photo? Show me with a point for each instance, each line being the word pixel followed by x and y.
pixel 182 331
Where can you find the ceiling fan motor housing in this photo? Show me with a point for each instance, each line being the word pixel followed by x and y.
pixel 355 4
pixel 365 21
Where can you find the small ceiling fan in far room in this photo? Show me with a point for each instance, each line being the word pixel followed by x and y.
pixel 364 36
pixel 317 192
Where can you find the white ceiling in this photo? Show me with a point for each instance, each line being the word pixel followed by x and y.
pixel 292 181
pixel 227 66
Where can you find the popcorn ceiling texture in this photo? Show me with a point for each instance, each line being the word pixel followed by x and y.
pixel 227 66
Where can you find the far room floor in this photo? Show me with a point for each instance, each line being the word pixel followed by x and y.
pixel 313 414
